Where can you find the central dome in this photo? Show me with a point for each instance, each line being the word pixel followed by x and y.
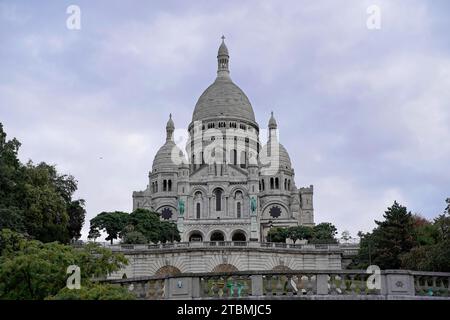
pixel 223 99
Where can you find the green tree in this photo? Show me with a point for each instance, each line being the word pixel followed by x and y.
pixel 35 199
pixel 111 222
pixel 77 213
pixel 150 225
pixel 395 236
pixel 425 232
pixel 324 232
pixel 34 270
pixel 134 237
pixel 94 234
pixel 95 292
pixel 392 238
pixel 300 233
pixel 277 234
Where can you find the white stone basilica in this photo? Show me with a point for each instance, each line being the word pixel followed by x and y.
pixel 232 188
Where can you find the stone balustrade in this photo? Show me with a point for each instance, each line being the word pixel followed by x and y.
pixel 325 284
pixel 233 244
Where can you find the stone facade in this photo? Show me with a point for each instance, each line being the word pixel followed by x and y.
pixel 209 193
pixel 206 258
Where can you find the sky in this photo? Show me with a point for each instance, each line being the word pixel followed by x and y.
pixel 364 113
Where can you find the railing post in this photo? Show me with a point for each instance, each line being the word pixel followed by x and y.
pixel 399 283
pixel 195 290
pixel 257 285
pixel 322 284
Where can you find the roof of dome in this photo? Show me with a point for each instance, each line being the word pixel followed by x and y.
pixel 163 160
pixel 283 156
pixel 223 99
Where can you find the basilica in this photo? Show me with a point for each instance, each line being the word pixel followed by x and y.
pixel 226 186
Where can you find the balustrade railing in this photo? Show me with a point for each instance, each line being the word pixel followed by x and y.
pixel 230 244
pixel 334 284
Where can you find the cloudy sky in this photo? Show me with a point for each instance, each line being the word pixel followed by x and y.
pixel 364 114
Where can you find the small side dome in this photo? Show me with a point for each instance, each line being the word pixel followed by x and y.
pixel 168 158
pixel 281 156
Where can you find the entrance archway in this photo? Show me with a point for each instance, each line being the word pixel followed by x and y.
pixel 217 236
pixel 224 267
pixel 167 271
pixel 196 236
pixel 239 236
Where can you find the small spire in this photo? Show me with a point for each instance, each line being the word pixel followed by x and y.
pixel 170 128
pixel 272 121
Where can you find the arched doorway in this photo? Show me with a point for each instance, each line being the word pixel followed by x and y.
pixel 239 236
pixel 167 271
pixel 196 236
pixel 224 267
pixel 281 268
pixel 217 236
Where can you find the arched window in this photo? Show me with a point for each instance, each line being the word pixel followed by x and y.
pixel 289 185
pixel 260 186
pixel 156 186
pixel 218 194
pixel 263 184
pixel 285 184
pixel 198 210
pixel 243 159
pixel 169 184
pixel 271 183
pixel 165 185
pixel 277 185
pixel 238 210
pixel 233 157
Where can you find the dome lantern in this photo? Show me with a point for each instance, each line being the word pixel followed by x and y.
pixel 170 128
pixel 223 60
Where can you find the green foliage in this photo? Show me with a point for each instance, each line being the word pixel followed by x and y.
pixel 406 241
pixel 433 250
pixel 324 232
pixel 425 232
pixel 34 270
pixel 134 226
pixel 95 292
pixel 77 213
pixel 391 238
pixel 112 222
pixel 150 225
pixel 35 199
pixel 277 235
pixel 134 237
pixel 300 233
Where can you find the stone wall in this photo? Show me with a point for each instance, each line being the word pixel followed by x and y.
pixel 211 257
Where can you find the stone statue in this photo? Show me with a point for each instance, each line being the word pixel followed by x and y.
pixel 181 207
pixel 253 205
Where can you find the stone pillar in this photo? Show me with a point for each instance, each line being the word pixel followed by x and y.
pixel 257 285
